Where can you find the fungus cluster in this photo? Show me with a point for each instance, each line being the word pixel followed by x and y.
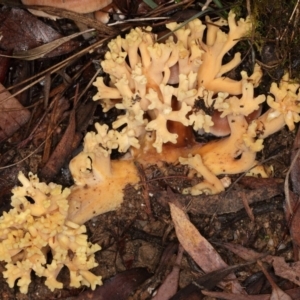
pixel 38 224
pixel 166 90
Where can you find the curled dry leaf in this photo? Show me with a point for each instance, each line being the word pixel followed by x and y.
pixel 200 249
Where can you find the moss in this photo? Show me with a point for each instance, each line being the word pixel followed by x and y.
pixel 276 36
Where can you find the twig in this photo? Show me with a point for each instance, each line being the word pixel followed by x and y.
pixel 248 5
pixel 290 21
pixel 138 20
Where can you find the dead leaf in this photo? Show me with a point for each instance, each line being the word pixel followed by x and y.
pixel 199 248
pixel 44 50
pixel 243 252
pixel 4 65
pixel 229 296
pixel 39 132
pixel 295 172
pixel 293 293
pixel 290 271
pixel 207 281
pixel 102 29
pixel 12 114
pixel 294 220
pixel 118 287
pixel 190 292
pixel 21 31
pixel 292 196
pixel 210 280
pixel 277 293
pixel 169 287
pixel 62 150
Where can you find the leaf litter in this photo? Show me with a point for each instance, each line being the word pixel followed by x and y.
pixel 134 240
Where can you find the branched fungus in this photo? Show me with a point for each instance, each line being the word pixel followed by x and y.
pixel 99 182
pixel 38 222
pixel 166 90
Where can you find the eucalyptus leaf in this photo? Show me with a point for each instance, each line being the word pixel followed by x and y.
pixel 41 51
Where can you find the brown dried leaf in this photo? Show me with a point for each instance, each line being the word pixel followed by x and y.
pixel 4 65
pixel 21 31
pixel 118 287
pixel 169 287
pixel 103 29
pixel 44 50
pixel 62 151
pixel 292 196
pixel 277 293
pixel 290 271
pixel 199 248
pixel 295 172
pixel 12 114
pixel 243 252
pixel 295 219
pixel 292 216
pixel 293 293
pixel 229 296
pixel 39 132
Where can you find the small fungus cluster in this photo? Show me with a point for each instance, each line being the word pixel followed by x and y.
pixel 38 223
pixel 166 90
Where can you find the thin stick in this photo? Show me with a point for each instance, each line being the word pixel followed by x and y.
pixel 290 21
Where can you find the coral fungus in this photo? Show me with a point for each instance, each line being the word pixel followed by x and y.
pixel 169 88
pixel 38 222
pixel 166 90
